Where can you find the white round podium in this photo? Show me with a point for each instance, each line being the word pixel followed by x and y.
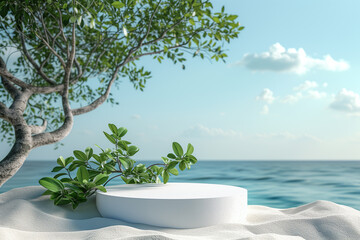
pixel 174 205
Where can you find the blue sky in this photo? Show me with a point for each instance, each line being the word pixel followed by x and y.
pixel 289 91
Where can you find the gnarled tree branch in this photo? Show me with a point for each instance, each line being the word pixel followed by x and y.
pixel 4 112
pixel 48 89
pixel 12 90
pixel 38 129
pixel 5 73
pixel 98 101
pixel 20 102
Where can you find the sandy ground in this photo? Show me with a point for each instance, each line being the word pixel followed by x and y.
pixel 25 214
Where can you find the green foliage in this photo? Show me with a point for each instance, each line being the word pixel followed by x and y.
pixel 109 33
pixel 85 172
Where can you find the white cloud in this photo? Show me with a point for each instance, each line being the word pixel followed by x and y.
pixel 316 94
pixel 292 98
pixel 265 110
pixel 304 90
pixel 266 95
pixel 280 59
pixel 325 84
pixel 203 131
pixel 346 101
pixel 306 86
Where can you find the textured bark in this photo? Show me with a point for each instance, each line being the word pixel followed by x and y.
pixel 18 153
pixel 4 112
pixel 38 129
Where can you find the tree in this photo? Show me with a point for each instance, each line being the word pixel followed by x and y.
pixel 71 52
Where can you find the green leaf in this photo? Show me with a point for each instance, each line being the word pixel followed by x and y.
pixel 232 17
pixel 182 166
pixel 165 176
pixel 174 171
pixel 177 149
pixel 79 20
pixel 99 147
pixel 172 156
pixel 188 165
pixel 73 19
pixel 68 160
pixel 191 21
pixel 113 128
pixel 59 175
pixel 51 184
pixel 172 164
pixel 62 201
pixel 118 4
pixel 57 168
pixel 154 168
pixel 82 174
pixel 193 159
pixel 140 168
pixel 217 20
pixel 92 23
pixel 73 166
pixel 90 184
pixel 61 161
pixel 54 195
pixel 88 152
pixel 124 162
pixel 73 187
pixel 74 204
pixel 101 188
pixel 80 155
pixel 111 139
pixel 109 155
pixel 160 170
pixel 122 131
pixel 218 36
pixel 132 150
pixel 123 145
pixel 101 179
pixel 64 180
pixel 97 158
pixel 125 179
pixel 165 160
pixel 190 149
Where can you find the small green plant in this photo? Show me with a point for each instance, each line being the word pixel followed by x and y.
pixel 84 173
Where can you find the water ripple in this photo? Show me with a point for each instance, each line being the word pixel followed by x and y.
pixel 266 181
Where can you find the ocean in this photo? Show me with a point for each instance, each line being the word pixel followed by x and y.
pixel 278 184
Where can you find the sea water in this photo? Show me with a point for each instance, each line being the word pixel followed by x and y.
pixel 279 184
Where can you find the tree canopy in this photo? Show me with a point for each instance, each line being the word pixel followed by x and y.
pixel 69 53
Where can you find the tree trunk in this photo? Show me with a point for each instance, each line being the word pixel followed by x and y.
pixel 17 155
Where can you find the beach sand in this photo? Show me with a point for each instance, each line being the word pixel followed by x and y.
pixel 25 214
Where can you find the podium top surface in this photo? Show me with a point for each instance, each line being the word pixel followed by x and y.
pixel 174 191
